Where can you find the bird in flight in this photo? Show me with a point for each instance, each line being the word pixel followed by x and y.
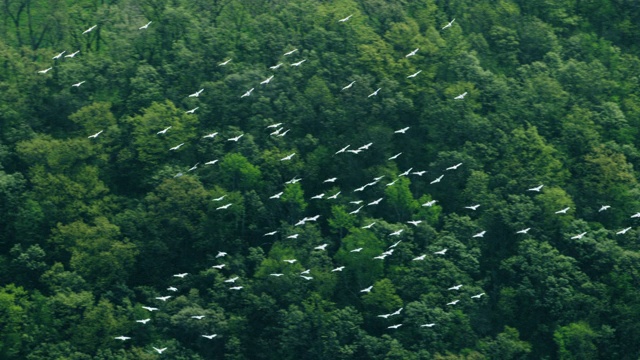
pixel 159 350
pixel 267 80
pixel 348 86
pixel 235 288
pixel 345 19
pixel 523 231
pixel 198 317
pixel 317 197
pixel 374 93
pixel 176 147
pixel 321 247
pixel 537 188
pixel 457 287
pixel 143 27
pixel 219 267
pixel 480 234
pixel 414 222
pixel 275 66
pixel 449 24
pixel 478 296
pixel 366 290
pixel 454 167
pixel 226 206
pixel 579 236
pixel 59 55
pixel 461 96
pixel 232 280
pixel 453 302
pixel 356 250
pixel 78 84
pixel 369 226
pixel 290 52
pixel 563 211
pixel 276 196
pixel 412 53
pixel 182 275
pixel 163 298
pixel 288 157
pixel 621 232
pixel 394 326
pixel 338 269
pixel 437 180
pixel 441 252
pixel 343 149
pixel 44 71
pixel 472 207
pixel 72 54
pixel 604 207
pixel 298 63
pixel 197 93
pixel 414 74
pixel 149 308
pixel 290 261
pixel 193 110
pixel 212 135
pixel 210 336
pixel 430 203
pixel 224 63
pixel 89 29
pixel 247 93
pixel 143 321
pixel 235 138
pixel 402 131
pixel 419 258
pixel 123 338
pixel 396 233
pixel 221 254
pixel 95 135
pixel 428 325
pixel 211 162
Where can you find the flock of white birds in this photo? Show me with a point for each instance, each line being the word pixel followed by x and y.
pixel 279 130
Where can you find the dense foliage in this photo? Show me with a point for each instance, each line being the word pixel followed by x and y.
pixel 94 228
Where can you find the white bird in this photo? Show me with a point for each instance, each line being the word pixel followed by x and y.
pixel 164 131
pixel 232 280
pixel 384 316
pixel 348 86
pixel 321 247
pixel 298 63
pixel 211 162
pixel 267 80
pixel 339 268
pixel 441 252
pixel 317 197
pixel 402 131
pixel 419 258
pixel 604 207
pixel 72 54
pixel 236 288
pixel 397 312
pixel 374 93
pixel 345 19
pixel 579 236
pixel 412 53
pixel 396 233
pixel 636 215
pixel 343 149
pixel 356 250
pixel 437 180
pixel 537 188
pixel 461 96
pixel 357 202
pixel 145 26
pixel 330 180
pixel 149 308
pixel 356 211
pixel 623 231
pixel 294 236
pixel 472 207
pixel 306 272
pixel 428 325
pixel 193 167
pixel 212 135
pixel 480 234
pixel 176 147
pixel 235 138
pixel 454 167
pixel 44 71
pixel 247 93
pixel 159 350
pixel 276 196
pixel 394 326
pixel 221 254
pixel 453 302
pixel 381 257
pixel 523 231
pixel 271 233
pixel 123 338
pixel 275 66
pixel 429 203
pixel 290 52
pixel 89 29
pixel 414 74
pixel 457 287
pixel 276 275
pixel 219 267
pixel 563 211
pixel 224 63
pixel 288 157
pixel 273 126
pixel 414 222
pixel 192 110
pixel 181 275
pixel 284 133
pixel 392 183
pixel 143 321
pixel 478 296
pixel 366 290
pixel 95 135
pixel 171 288
pixel 210 336
pixel 226 206
pixel 290 261
pixel 306 277
pixel 395 156
pixel 419 173
pixel 369 226
pixel 59 55
pixel 163 298
pixel 78 84
pixel 357 151
pixel 406 173
pixel 197 93
pixel 449 24
pixel 375 202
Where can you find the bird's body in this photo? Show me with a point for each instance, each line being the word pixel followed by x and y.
pixel 453 302
pixel 219 267
pixel 159 350
pixel 394 326
pixel 123 338
pixel 348 86
pixel 374 202
pixel 143 321
pixel 211 162
pixel 275 66
pixel 290 261
pixel 366 290
pixel 457 287
pixel 193 167
pixel 437 180
pixel 369 226
pixel 430 203
pixel 226 206
pixel 536 189
pixel 221 254
pixel 402 131
pixel 419 258
pixel 579 236
pixel 182 275
pixel 176 147
pixel 248 93
pixel 414 222
pixel 298 63
pixel 45 70
pixel 271 233
pixel 192 110
pixel 72 54
pixel 235 138
pixel 89 29
pixel 374 93
pixel 472 207
pixel 419 173
pixel 356 250
pixel 306 277
pixel 198 317
pixel 95 135
pixel 145 26
pixel 149 308
pixel 523 231
pixel 343 149
pixel 197 93
pixel 322 247
pixel 235 288
pixel 210 336
pixel 276 196
pixel 477 296
pixel 232 280
pixel 449 24
pixel 428 325
pixel 210 136
pixel 395 156
pixel 356 210
pixel 412 53
pixel 294 236
pixel 224 63
pixel 345 19
pixel 267 80
pixel 276 274
pixel 563 211
pixel 604 207
pixel 461 96
pixel 78 84
pixel 59 55
pixel 396 233
pixel 480 234
pixel 288 157
pixel 441 252
pixel 163 298
pixel 318 197
pixel 290 52
pixel 414 74
pixel 338 269
pixel 621 232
